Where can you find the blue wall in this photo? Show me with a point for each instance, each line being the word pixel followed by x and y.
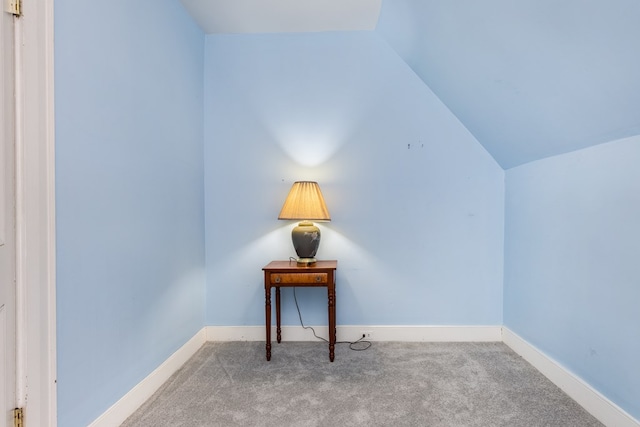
pixel 129 195
pixel 416 203
pixel 571 255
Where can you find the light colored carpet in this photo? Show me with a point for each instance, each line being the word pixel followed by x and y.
pixel 390 384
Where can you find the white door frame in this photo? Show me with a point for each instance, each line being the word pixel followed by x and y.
pixel 35 215
pixel 7 222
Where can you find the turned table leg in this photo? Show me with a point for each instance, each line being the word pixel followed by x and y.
pixel 267 299
pixel 278 330
pixel 332 321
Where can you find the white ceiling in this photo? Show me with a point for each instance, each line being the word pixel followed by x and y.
pixel 528 78
pixel 283 16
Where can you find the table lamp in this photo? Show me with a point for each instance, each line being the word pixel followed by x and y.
pixel 305 202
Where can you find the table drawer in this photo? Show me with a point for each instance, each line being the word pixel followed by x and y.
pixel 293 278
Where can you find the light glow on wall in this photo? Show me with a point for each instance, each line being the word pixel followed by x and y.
pixel 311 149
pixel 311 144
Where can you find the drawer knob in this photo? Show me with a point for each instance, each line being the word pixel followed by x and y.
pixel 318 278
pixel 277 279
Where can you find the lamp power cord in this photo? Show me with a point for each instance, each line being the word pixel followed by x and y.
pixel 359 345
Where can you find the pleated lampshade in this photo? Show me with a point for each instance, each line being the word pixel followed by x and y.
pixel 305 201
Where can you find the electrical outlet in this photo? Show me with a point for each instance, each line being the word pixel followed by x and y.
pixel 366 335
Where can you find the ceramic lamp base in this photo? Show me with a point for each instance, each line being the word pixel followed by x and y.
pixel 306 239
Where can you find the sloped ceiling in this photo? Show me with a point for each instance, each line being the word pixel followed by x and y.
pixel 528 78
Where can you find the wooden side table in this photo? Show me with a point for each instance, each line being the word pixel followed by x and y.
pixel 278 274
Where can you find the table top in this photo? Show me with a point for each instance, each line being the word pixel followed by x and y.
pixel 293 265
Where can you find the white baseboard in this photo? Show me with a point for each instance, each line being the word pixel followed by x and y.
pixel 590 399
pixel 130 402
pixel 353 333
